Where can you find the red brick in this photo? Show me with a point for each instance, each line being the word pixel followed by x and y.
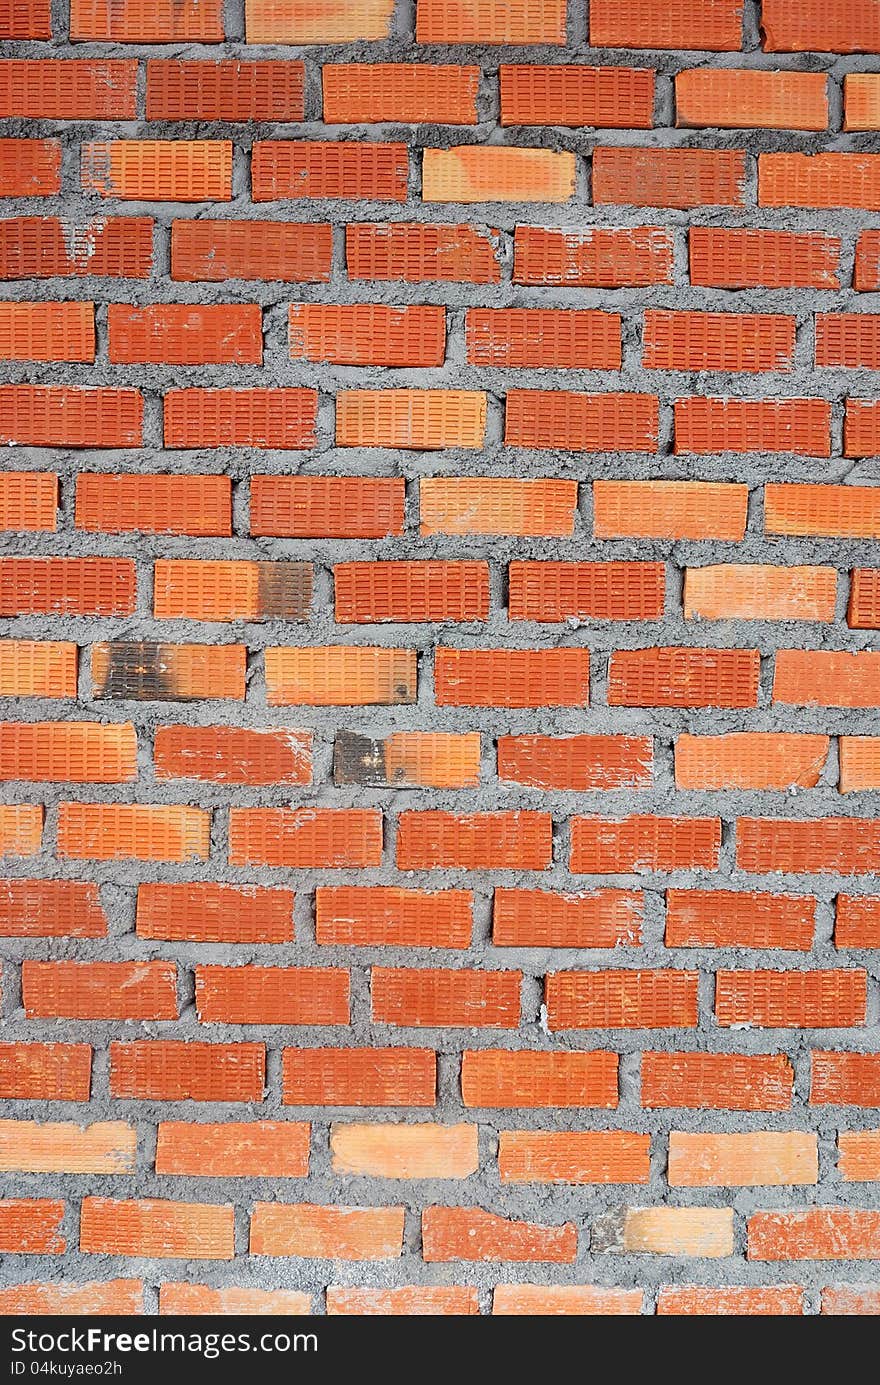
pixel 155 1229
pixel 30 167
pixel 326 1233
pixel 497 505
pixel 31 1226
pixel 359 1077
pixel 683 677
pixel 402 93
pixel 73 1298
pixel 205 912
pixel 427 590
pixel 444 1300
pixel 592 258
pixel 851 1300
pixel 163 504
pixel 845 1079
pixel 601 846
pixel 717 341
pixel 232 755
pixel 68 89
pixel 354 170
pixel 670 510
pixel 418 420
pixel 737 1300
pixel 490 21
pixel 581 763
pixel 200 1300
pixel 316 21
pixel 819 1233
pixel 846 846
pixel 271 995
pixel 750 760
pixel 857 921
pixel 69 416
pixel 34 668
pixel 511 677
pixel 185 334
pixel 576 1157
pixel 340 676
pixel 848 340
pixel 710 24
pixel 794 999
pixel 601 97
pixel 44 247
pixel 543 337
pixel 827 678
pixel 717 1081
pixel 747 99
pixel 557 420
pixel 50 909
pixel 559 591
pixel 99 990
pixel 159 170
pixel 470 1233
pixel 474 841
pixel 137 831
pixel 259 417
pixel 216 251
pixel 863 611
pixel 575 1300
pixel 367 334
pixel 819 180
pixel 727 918
pixel 621 999
pixel 183 1070
pixel 866 270
pixel 29 501
pixel 707 426
pixel 159 21
pixel 681 178
pixel 68 751
pixel 305 837
pixel 227 90
pixel 604 918
pixel 326 506
pixel 45 1072
pixel 530 1078
pixel 26 19
pixel 416 252
pixel 734 258
pixel 836 26
pixel 369 915
pixel 67 586
pixel 445 998
pixel 831 511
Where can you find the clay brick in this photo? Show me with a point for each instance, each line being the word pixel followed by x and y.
pixel 597 257
pixel 735 97
pixel 21 829
pixel 681 178
pixel 710 24
pixel 366 507
pixel 401 93
pixel 190 589
pixel 670 510
pixel 148 672
pixel 560 591
pixel 861 101
pixel 65 1147
pixel 30 167
pixel 859 758
pixel 68 752
pixel 577 1157
pixel 845 1079
pixel 408 759
pixel 200 506
pixel 47 331
pixel 857 920
pixel 758 591
pixel 543 337
pixel 67 586
pixel 29 501
pixel 836 26
pixel 206 912
pixel 316 21
pixel 866 269
pixel 183 1070
pixel 683 677
pixel 831 511
pixel 717 341
pixel 161 170
pixel 861 428
pixel 137 831
pixel 602 97
pixel 438 1300
pixel 848 340
pixel 68 89
pixel 471 173
pixel 576 1300
pixel 729 918
pixel 534 918
pixel 818 1233
pixel 26 19
pixel 421 420
pixel 73 1298
pixel 621 999
pixel 470 1233
pixel 359 1077
pixel 227 90
pixel 45 1072
pixel 736 1300
pixel 340 676
pixel 273 418
pixel 367 593
pixel 445 998
pixel 271 995
pixel 530 1078
pixel 31 1226
pixel 369 915
pixel 846 846
pixel 555 419
pixel 154 1229
pixel 200 1300
pixel 33 668
pixel 336 838
pixel 717 1081
pixel 436 840
pixel 490 21
pixel 233 755
pixel 704 1232
pixel 247 1149
pixel 404 1151
pixel 863 611
pixel 497 505
pixel 69 416
pixel 185 334
pixel 819 180
pixel 511 677
pixel 750 760
pixel 859 1156
pixel 356 171
pixel 706 426
pixel 580 763
pixel 827 678
pixel 763 1158
pixel 851 1300
pixel 216 251
pixel 794 999
pixel 417 253
pixel 44 247
pixel 367 334
pixel 50 909
pixel 601 846
pixel 159 21
pixel 326 1233
pixel 741 258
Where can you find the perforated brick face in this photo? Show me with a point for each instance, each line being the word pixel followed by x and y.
pixel 439 684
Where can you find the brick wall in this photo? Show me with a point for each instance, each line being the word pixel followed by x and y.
pixel 440 694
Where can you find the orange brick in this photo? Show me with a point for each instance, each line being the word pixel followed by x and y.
pixel 511 677
pixel 183 1070
pixel 737 1300
pixel 31 1226
pixel 669 177
pixel 707 426
pixel 866 269
pixel 861 429
pixel 599 918
pixel 340 676
pixel 68 89
pixel 750 760
pixel 438 1300
pixel 67 416
pixel 706 1232
pixel 831 511
pixel 367 507
pixel 602 97
pixel 845 1079
pixel 316 21
pixel 233 590
pixel 621 999
pixel 138 831
pixel 404 1151
pixel 670 510
pixel 819 180
pixel 756 591
pixel 33 668
pixel 863 611
pixel 474 841
pixel 836 26
pixel 819 1233
pixel 417 253
pixel 67 586
pixel 408 759
pixel 160 504
pixel 746 99
pixel 50 909
pixel 555 419
pixel 421 420
pixel 155 1229
pixel 354 170
pixel 65 1147
pixel 29 500
pixel 185 334
pixel 99 990
pixel 497 505
pixel 594 258
pixel 26 19
pixel 216 251
pixel 367 334
pixel 717 1081
pixel 827 678
pixel 445 998
pixel 402 93
pixel 359 1077
pixel 326 1233
pixel 276 418
pixel 367 593
pixel 602 846
pixel 559 591
pixel 490 21
pixel 727 918
pixel 160 170
pixel 272 995
pixel 795 999
pixel 232 755
pixel 133 21
pixel 683 677
pixel 710 24
pixel 848 340
pixel 857 921
pixel 337 838
pixel 30 167
pixel 762 1158
pixel 717 341
pixel 226 90
pixel 21 829
pixel 475 173
pixel 846 846
pixel 577 1300
pixel 368 915
pixel 859 1156
pixel 543 337
pixel 470 1233
pixel 205 912
pixel 68 751
pixel 45 1072
pixel 505 1078
pixel 47 331
pixel 740 258
pixel 69 1298
pixel 581 763
pixel 861 98
pixel 248 1149
pixel 44 247
pixel 851 1300
pixel 147 672
pixel 199 1300
pixel 578 1157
